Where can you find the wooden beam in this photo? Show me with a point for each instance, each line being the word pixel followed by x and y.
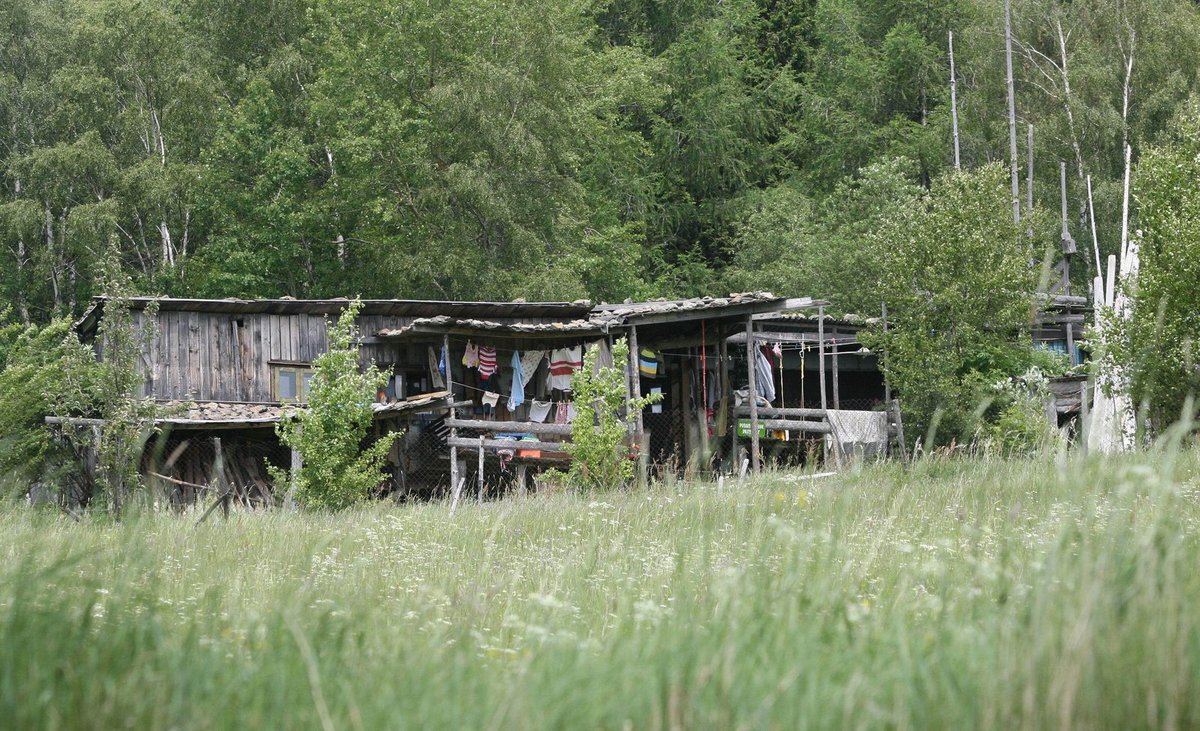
pixel 532 427
pixel 783 413
pixel 819 427
pixel 495 444
pixel 454 484
pixel 751 362
pixel 635 384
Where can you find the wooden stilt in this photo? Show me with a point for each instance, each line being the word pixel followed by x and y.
pixel 751 358
pixel 639 428
pixel 454 484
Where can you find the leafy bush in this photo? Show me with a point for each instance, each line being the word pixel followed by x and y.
pixel 336 472
pixel 599 458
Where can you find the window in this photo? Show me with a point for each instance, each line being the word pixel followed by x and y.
pixel 290 382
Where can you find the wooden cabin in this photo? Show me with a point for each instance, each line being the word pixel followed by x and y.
pixel 225 371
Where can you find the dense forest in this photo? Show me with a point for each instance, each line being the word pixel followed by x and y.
pixel 547 148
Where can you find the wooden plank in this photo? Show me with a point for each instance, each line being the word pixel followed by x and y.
pixel 192 328
pixel 782 413
pixel 494 444
pixel 820 427
pixel 751 358
pixel 510 426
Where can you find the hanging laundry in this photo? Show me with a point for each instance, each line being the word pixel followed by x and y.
pixel 529 365
pixel 604 356
pixel 516 395
pixel 487 361
pixel 777 349
pixel 648 362
pixel 470 357
pixel 764 378
pixel 563 363
pixel 490 399
pixel 539 410
pixel 444 362
pixel 435 376
pixel 562 412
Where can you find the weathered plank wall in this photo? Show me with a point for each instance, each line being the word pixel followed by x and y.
pixel 228 357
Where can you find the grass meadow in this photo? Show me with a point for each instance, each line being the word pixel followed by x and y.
pixel 957 595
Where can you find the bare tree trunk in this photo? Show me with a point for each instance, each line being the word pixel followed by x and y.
pixel 22 262
pixel 51 256
pixel 1066 85
pixel 1012 113
pixel 954 106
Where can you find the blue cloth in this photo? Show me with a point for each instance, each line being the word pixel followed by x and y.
pixel 517 395
pixel 442 361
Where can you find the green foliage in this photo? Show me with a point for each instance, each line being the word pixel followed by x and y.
pixel 600 456
pixel 41 368
pixel 1162 341
pixel 956 276
pixel 114 396
pixel 336 471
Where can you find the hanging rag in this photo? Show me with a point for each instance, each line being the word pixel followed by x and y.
pixel 604 356
pixel 539 410
pixel 648 362
pixel 529 365
pixel 764 378
pixel 444 362
pixel 562 412
pixel 470 357
pixel 489 400
pixel 563 364
pixel 516 395
pixel 435 376
pixel 487 361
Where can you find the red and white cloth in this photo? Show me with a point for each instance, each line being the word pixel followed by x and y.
pixel 487 361
pixel 563 363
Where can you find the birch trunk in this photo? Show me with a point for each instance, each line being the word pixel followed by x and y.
pixel 1012 113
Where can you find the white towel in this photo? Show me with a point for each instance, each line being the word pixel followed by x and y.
pixel 539 410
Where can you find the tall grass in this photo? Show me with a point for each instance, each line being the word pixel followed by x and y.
pixel 951 595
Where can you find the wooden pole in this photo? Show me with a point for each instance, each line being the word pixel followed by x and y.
pixel 751 357
pixel 954 105
pixel 635 383
pixel 1095 237
pixel 1029 172
pixel 821 354
pixel 480 479
pixel 453 415
pixel 887 385
pixel 1012 113
pixel 837 401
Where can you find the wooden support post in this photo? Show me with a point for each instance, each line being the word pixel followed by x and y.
pixel 521 470
pixel 837 401
pixel 639 427
pixel 821 354
pixel 751 358
pixel 479 479
pixel 887 385
pixel 454 485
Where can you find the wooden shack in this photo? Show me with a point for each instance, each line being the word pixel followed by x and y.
pixel 228 369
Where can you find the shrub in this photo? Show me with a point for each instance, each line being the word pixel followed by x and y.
pixel 599 457
pixel 336 471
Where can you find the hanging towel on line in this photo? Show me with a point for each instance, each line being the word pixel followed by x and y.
pixel 487 361
pixel 764 379
pixel 539 410
pixel 470 357
pixel 435 376
pixel 516 395
pixel 563 363
pixel 529 365
pixel 648 362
